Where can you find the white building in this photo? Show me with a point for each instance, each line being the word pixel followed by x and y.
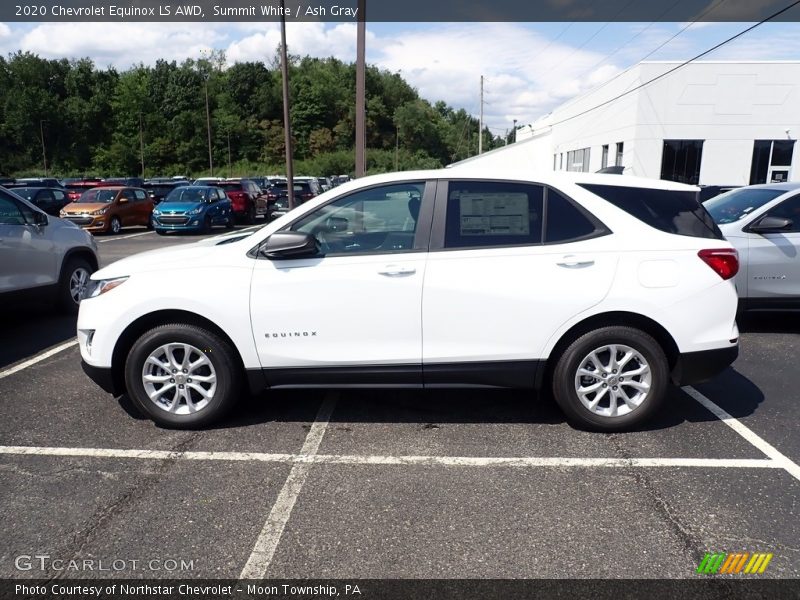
pixel 708 123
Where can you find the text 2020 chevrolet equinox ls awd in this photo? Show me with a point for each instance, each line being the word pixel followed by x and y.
pixel 601 288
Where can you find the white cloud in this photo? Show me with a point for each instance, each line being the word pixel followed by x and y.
pixel 121 44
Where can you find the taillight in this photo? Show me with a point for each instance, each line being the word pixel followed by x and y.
pixel 307 196
pixel 724 261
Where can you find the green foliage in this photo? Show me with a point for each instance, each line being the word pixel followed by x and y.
pixel 103 122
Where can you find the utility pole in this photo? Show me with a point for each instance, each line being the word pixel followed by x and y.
pixel 141 141
pixel 515 130
pixel 480 126
pixel 287 124
pixel 396 148
pixel 208 127
pixel 229 153
pixel 361 116
pixel 44 150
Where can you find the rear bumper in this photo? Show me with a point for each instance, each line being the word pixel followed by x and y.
pixel 102 376
pixel 696 367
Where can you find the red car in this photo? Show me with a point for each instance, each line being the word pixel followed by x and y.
pixel 248 201
pixel 75 189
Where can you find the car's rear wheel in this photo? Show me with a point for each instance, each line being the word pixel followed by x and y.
pixel 114 225
pixel 182 376
pixel 611 379
pixel 73 284
pixel 231 222
pixel 250 219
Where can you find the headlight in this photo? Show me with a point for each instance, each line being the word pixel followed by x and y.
pixel 100 211
pixel 196 211
pixel 62 214
pixel 97 288
pixel 156 212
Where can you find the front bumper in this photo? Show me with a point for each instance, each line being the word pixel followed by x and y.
pixel 696 367
pixel 193 223
pixel 102 376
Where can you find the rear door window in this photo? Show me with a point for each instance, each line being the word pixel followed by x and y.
pixel 675 212
pixel 484 214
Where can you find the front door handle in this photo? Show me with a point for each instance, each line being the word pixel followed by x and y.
pixel 573 262
pixel 397 271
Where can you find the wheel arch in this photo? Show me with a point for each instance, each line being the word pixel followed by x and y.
pixel 162 317
pixel 609 319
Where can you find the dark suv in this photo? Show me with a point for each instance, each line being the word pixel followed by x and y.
pixel 247 199
pixel 278 195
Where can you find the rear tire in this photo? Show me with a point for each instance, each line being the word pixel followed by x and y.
pixel 157 390
pixel 250 218
pixel 74 279
pixel 611 379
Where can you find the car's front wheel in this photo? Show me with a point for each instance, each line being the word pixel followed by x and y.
pixel 611 379
pixel 115 225
pixel 73 284
pixel 182 376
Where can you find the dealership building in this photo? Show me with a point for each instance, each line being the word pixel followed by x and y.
pixel 707 123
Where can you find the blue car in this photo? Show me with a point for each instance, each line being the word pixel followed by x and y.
pixel 193 208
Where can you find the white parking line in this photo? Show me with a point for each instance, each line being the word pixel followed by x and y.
pixel 37 359
pixel 124 237
pixel 264 549
pixel 308 458
pixel 748 434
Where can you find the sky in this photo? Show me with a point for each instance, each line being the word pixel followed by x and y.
pixel 529 68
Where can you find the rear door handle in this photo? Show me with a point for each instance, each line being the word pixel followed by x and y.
pixel 397 271
pixel 573 262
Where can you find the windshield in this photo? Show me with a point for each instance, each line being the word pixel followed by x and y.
pixel 230 187
pixel 187 195
pixel 737 204
pixel 98 196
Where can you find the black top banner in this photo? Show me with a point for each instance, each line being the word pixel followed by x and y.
pixel 398 10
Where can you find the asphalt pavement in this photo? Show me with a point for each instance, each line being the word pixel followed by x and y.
pixel 391 484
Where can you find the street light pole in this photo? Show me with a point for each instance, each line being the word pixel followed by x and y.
pixel 44 150
pixel 208 127
pixel 141 141
pixel 396 147
pixel 287 123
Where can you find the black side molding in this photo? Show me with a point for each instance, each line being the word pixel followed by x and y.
pixel 696 367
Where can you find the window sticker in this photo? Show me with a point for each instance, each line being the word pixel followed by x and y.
pixel 494 214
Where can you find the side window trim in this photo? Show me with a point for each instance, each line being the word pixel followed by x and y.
pixel 422 235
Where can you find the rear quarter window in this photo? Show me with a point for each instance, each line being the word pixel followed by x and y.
pixel 675 212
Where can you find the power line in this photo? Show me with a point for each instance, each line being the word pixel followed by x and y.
pixel 708 10
pixel 680 66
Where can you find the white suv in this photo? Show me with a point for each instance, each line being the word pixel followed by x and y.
pixel 601 288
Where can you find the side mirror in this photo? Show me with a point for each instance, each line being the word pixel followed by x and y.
pixel 123 200
pixel 771 225
pixel 284 245
pixel 40 219
pixel 334 224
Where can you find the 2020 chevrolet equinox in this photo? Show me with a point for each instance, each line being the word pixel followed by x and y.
pixel 601 288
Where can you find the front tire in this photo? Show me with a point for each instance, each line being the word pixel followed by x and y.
pixel 114 226
pixel 611 379
pixel 72 286
pixel 182 376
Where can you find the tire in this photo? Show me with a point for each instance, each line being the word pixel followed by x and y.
pixel 230 223
pixel 221 366
pixel 74 279
pixel 250 217
pixel 114 225
pixel 161 231
pixel 207 225
pixel 646 376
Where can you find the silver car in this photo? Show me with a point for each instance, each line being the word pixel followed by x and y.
pixel 42 257
pixel 763 223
